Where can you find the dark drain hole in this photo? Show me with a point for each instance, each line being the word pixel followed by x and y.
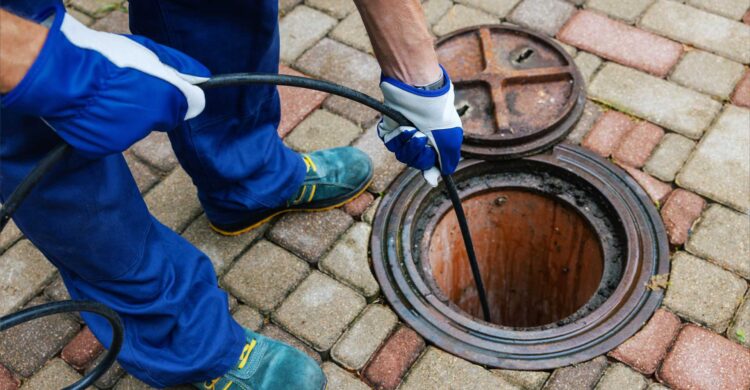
pixel 540 259
pixel 523 55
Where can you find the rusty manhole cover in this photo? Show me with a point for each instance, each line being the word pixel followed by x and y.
pixel 518 92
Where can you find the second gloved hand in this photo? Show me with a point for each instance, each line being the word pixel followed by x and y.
pixel 435 140
pixel 102 92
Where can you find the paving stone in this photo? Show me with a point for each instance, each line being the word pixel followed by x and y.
pixel 296 103
pixel 461 16
pixel 698 28
pixel 9 236
pixel 657 386
pixel 701 359
pixel 723 237
pixel 740 329
pixel 500 8
pixel 546 16
pixel 348 261
pixel 115 22
pixel 25 348
pixel 352 32
pixel 607 132
pixel 277 333
pixel 363 116
pixel 395 357
pixel 580 376
pixel 702 292
pixel 619 376
pixel 591 112
pixel 248 317
pixel 80 16
pixel 54 375
pixel 264 275
pixel 364 337
pixel 628 11
pixel 741 95
pixel 309 235
pixel 436 368
pixel 300 29
pixel 95 7
pixel 156 151
pixel 145 177
pixel 369 215
pixel 569 49
pixel 111 377
pixel 287 5
pixel 708 73
pixel 666 104
pixel 679 212
pixel 621 43
pixel 222 250
pixel 130 383
pixel 82 350
pixel 746 17
pixel 636 146
pixel 7 380
pixel 647 348
pixel 587 64
pixel 435 9
pixel 56 290
pixel 174 201
pixel 340 379
pixel 358 206
pixel 385 165
pixel 526 380
pixel 668 157
pixel 336 8
pixel 23 273
pixel 719 168
pixel 319 310
pixel 732 9
pixel 322 130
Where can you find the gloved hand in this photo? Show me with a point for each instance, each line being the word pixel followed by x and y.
pixel 102 92
pixel 435 141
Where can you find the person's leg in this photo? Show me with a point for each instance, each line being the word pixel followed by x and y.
pixel 89 219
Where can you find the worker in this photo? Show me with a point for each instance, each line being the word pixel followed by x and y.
pixel 100 92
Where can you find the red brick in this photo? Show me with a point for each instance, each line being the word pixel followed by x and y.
pixel 647 348
pixel 356 207
pixel 394 358
pixel 82 350
pixel 7 380
pixel 680 210
pixel 607 132
pixel 116 22
pixel 701 359
pixel 746 17
pixel 636 146
pixel 656 190
pixel 741 95
pixel 621 43
pixel 296 103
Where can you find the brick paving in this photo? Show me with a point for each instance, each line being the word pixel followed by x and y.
pixel 669 88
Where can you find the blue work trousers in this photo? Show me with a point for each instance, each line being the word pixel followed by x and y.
pixel 89 220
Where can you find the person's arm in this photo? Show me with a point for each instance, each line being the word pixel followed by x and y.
pixel 20 43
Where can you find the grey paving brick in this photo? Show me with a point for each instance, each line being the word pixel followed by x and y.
pixel 300 29
pixel 580 376
pixel 740 329
pixel 319 310
pixel 702 292
pixel 340 379
pixel 348 261
pixel 723 237
pixel 435 9
pixel 56 290
pixel 174 201
pixel 222 250
pixel 352 32
pixel 95 7
pixel 460 16
pixel 701 29
pixel 9 236
pixel 627 11
pixel 719 168
pixel 436 368
pixel 385 165
pixel 669 105
pixel 156 150
pixel 587 64
pixel 526 380
pixel 322 130
pixel 80 16
pixel 336 8
pixel 287 5
pixel 111 377
pixel 657 386
pixel 591 112
pixel 309 235
pixel 619 376
pixel 145 176
pixel 52 376
pixel 277 333
pixel 23 273
pixel 546 16
pixel 732 9
pixel 248 317
pixel 369 215
pixel 669 156
pixel 264 275
pixel 364 337
pixel 130 383
pixel 500 8
pixel 708 73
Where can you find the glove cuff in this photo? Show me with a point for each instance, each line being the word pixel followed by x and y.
pixel 417 90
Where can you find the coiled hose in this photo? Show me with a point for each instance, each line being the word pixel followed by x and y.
pixel 227 80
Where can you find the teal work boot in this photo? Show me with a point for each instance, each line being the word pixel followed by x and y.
pixel 334 177
pixel 267 364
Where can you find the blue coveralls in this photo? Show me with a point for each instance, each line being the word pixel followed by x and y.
pixel 90 221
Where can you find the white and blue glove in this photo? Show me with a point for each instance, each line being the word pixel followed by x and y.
pixel 435 140
pixel 102 92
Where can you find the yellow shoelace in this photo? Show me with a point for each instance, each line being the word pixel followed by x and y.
pixel 243 361
pixel 310 165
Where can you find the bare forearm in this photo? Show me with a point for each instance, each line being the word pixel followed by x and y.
pixel 401 41
pixel 20 43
